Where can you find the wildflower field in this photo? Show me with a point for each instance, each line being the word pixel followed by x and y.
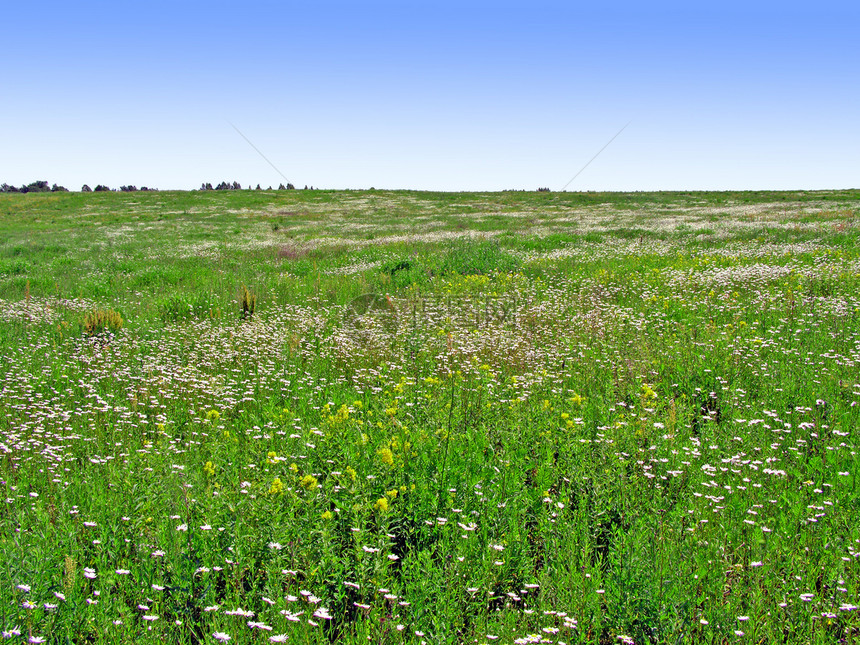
pixel 405 417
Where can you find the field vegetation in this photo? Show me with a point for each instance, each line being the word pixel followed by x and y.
pixel 406 417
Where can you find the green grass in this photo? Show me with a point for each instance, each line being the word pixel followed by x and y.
pixel 450 418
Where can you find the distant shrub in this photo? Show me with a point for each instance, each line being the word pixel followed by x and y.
pixel 101 189
pixel 86 189
pixel 128 189
pixel 99 321
pixel 59 189
pixel 6 188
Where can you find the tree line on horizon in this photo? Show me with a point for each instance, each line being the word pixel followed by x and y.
pixel 33 187
pixel 226 185
pixel 42 186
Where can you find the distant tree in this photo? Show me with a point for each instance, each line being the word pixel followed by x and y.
pixel 128 189
pixel 36 187
pixel 258 187
pixel 59 189
pixel 86 189
pixel 101 189
pixel 145 189
pixel 226 185
pixel 6 188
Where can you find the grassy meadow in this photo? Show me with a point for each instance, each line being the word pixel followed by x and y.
pixel 406 417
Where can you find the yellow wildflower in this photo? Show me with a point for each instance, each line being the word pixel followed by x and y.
pixel 309 482
pixel 342 414
pixel 277 487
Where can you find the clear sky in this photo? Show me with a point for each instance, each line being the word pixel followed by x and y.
pixel 444 95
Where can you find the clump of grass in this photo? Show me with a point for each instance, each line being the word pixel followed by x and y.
pixel 99 321
pixel 404 272
pixel 291 252
pixel 249 303
pixel 478 258
pixel 184 307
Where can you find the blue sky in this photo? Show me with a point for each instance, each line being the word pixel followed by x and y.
pixel 469 95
